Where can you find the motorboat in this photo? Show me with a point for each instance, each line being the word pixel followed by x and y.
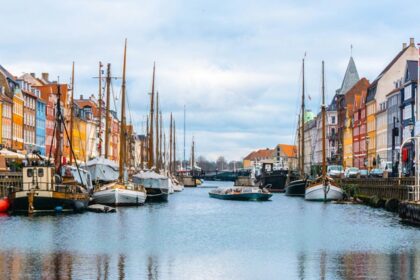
pixel 241 193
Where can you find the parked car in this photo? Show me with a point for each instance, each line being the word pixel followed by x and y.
pixel 364 173
pixel 376 173
pixel 352 172
pixel 335 171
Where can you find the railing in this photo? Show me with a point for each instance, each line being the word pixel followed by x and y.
pixel 386 188
pixel 9 180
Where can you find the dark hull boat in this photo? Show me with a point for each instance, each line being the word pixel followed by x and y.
pixel 48 201
pixel 296 188
pixel 275 180
pixel 157 194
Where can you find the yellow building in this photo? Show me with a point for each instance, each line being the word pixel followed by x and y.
pixel 371 131
pixel 79 138
pixel 17 128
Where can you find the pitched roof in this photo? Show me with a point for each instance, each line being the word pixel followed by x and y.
pixel 7 73
pixel 288 150
pixel 350 77
pixel 263 153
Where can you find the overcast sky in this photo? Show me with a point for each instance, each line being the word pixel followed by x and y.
pixel 234 64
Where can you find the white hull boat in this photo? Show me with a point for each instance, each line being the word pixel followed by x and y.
pixel 321 192
pixel 120 195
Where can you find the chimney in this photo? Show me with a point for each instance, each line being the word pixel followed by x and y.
pixel 404 45
pixel 81 97
pixel 45 76
pixel 411 42
pixel 33 75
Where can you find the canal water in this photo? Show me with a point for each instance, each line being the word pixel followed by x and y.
pixel 197 237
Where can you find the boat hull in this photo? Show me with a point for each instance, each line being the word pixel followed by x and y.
pixel 119 197
pixel 277 180
pixel 157 195
pixel 319 192
pixel 296 188
pixel 243 197
pixel 49 201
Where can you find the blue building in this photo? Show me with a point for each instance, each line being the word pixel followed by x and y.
pixel 40 125
pixel 408 98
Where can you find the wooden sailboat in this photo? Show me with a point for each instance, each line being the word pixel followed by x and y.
pixel 324 187
pixel 156 185
pixel 44 189
pixel 122 192
pixel 297 187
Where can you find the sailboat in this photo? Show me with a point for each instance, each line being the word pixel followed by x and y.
pixel 101 168
pixel 323 188
pixel 297 187
pixel 121 192
pixel 156 185
pixel 44 189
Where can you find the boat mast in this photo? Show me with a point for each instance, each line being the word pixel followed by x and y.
pixel 150 158
pixel 302 132
pixel 323 109
pixel 71 111
pixel 108 101
pixel 192 157
pixel 147 139
pixel 170 145
pixel 157 132
pixel 58 151
pixel 184 137
pixel 100 110
pixel 160 142
pixel 174 151
pixel 122 123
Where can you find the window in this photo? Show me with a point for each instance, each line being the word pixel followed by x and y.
pixel 333 120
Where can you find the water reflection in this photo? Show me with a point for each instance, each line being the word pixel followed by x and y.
pixel 67 265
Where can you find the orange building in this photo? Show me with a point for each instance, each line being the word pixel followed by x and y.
pixel 17 129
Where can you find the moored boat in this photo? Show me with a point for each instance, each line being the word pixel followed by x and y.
pixel 323 188
pixel 241 193
pixel 296 188
pixel 117 194
pixel 156 185
pixel 275 180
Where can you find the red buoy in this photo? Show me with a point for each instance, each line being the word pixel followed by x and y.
pixel 4 204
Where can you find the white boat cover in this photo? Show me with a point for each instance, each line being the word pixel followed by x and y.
pixel 151 179
pixel 102 169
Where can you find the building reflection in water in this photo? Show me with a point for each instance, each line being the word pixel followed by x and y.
pixel 322 265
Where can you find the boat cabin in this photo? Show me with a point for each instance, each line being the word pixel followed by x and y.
pixel 38 177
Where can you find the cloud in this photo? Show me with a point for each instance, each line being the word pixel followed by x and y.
pixel 234 64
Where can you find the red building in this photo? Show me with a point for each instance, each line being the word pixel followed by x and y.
pixel 359 124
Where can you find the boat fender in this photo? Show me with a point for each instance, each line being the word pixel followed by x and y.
pixel 58 209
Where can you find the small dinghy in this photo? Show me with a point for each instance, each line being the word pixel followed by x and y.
pixel 241 193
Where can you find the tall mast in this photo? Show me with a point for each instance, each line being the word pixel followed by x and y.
pixel 164 151
pixel 150 159
pixel 170 144
pixel 147 139
pixel 192 157
pixel 323 109
pixel 157 132
pixel 160 142
pixel 58 151
pixel 107 116
pixel 71 111
pixel 302 132
pixel 174 149
pixel 100 109
pixel 122 124
pixel 184 137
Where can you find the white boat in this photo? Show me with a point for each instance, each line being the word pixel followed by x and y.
pixel 102 169
pixel 156 185
pixel 322 190
pixel 116 194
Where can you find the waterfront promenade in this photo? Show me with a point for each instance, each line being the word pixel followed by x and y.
pixel 196 237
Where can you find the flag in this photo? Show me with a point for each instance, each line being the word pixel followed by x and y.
pixel 309 97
